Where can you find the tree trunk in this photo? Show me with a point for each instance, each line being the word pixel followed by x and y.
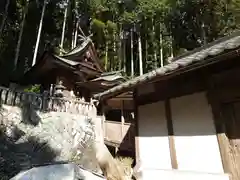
pixel 132 61
pixel 146 43
pixel 161 49
pixel 109 166
pixel 25 11
pixel 64 27
pixel 4 17
pixel 124 56
pixel 76 34
pixel 171 47
pixel 106 56
pixel 120 48
pixel 204 38
pixel 70 24
pixel 114 51
pixel 81 31
pixel 140 54
pixel 154 47
pixel 169 60
pixel 39 32
pixel 73 38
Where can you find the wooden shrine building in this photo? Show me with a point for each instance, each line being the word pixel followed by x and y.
pixel 80 74
pixel 81 64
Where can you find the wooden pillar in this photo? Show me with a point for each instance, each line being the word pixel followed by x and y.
pixel 213 97
pixel 171 135
pixel 222 138
pixel 103 118
pixel 137 155
pixel 122 119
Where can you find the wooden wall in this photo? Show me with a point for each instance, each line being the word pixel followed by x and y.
pixel 197 137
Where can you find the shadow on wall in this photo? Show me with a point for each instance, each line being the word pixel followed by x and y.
pixel 127 146
pixel 15 157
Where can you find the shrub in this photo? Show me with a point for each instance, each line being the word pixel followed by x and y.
pixel 126 163
pixel 34 89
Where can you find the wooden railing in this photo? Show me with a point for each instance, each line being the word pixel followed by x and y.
pixel 119 132
pixel 46 103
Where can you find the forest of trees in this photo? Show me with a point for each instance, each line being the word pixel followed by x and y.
pixel 135 36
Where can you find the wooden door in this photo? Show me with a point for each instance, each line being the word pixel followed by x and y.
pixel 231 123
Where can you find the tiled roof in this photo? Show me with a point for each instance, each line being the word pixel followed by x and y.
pixel 200 54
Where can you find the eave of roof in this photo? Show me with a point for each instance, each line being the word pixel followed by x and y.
pixel 70 62
pixel 110 78
pixel 201 55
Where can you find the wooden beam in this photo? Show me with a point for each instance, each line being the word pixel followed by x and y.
pixel 137 155
pixel 171 135
pixel 111 143
pixel 192 83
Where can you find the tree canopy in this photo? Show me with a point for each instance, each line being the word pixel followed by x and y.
pixel 129 35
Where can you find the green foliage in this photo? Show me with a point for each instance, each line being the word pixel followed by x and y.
pixel 184 25
pixel 111 26
pixel 34 89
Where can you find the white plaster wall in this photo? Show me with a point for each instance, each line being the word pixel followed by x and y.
pixel 153 136
pixel 195 137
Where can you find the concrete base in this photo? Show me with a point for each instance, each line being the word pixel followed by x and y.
pixel 57 172
pixel 156 174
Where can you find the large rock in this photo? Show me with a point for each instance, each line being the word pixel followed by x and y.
pixel 30 138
